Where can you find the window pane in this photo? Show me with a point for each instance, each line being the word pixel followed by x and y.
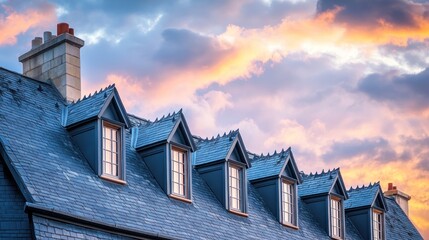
pixel 114 134
pixel 115 170
pixel 114 147
pixel 108 168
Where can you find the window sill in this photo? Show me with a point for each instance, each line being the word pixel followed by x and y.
pixel 241 214
pixel 180 198
pixel 290 226
pixel 111 179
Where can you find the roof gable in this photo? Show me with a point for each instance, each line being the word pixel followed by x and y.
pixel 322 183
pixel 222 148
pixel 181 133
pixel 238 151
pixel 103 103
pixel 277 164
pixel 172 127
pixel 365 196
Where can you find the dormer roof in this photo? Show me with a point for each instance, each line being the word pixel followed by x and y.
pixel 93 106
pixel 220 148
pixel 162 130
pixel 327 182
pixel 365 196
pixel 273 165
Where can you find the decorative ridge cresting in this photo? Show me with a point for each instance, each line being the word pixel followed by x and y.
pixel 92 95
pixel 323 173
pixel 370 186
pixel 231 135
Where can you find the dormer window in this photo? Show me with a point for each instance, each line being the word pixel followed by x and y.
pixel 235 188
pixel 288 203
pixel 165 145
pixel 111 150
pixel 179 166
pixel 367 205
pixel 99 132
pixel 336 218
pixel 377 224
pixel 223 162
pixel 276 178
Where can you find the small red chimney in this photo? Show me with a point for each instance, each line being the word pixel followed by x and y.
pixel 62 28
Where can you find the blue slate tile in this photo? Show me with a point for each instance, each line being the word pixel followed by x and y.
pixel 214 149
pixel 58 177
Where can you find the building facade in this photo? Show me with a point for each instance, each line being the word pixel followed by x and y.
pixel 84 168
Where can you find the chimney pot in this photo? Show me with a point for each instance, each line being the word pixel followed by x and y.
pixel 71 31
pixel 62 28
pixel 390 186
pixel 37 41
pixel 47 36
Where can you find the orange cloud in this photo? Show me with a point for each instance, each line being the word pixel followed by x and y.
pixel 247 51
pixel 14 23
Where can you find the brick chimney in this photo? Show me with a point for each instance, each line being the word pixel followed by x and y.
pixel 400 197
pixel 56 60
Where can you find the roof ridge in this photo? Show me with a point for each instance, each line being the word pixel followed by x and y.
pixel 22 75
pixel 275 153
pixel 322 173
pixel 164 117
pixel 231 135
pixel 90 95
pixel 369 186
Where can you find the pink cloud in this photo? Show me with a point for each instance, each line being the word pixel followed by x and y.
pixel 13 23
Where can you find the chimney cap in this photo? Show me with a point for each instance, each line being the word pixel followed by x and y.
pixel 62 28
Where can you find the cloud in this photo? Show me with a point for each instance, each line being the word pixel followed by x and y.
pixel 182 47
pixel 409 92
pixel 378 21
pixel 13 23
pixel 378 149
pixel 418 148
pixel 372 13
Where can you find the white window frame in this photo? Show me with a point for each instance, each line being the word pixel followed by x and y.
pixel 179 169
pixel 336 217
pixel 377 225
pixel 112 147
pixel 288 203
pixel 236 185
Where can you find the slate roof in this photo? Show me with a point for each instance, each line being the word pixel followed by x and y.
pixel 267 166
pixel 53 174
pixel 398 225
pixel 214 149
pixel 317 183
pixel 88 107
pixel 56 176
pixel 158 130
pixel 362 196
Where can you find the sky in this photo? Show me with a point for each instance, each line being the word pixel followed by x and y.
pixel 344 83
